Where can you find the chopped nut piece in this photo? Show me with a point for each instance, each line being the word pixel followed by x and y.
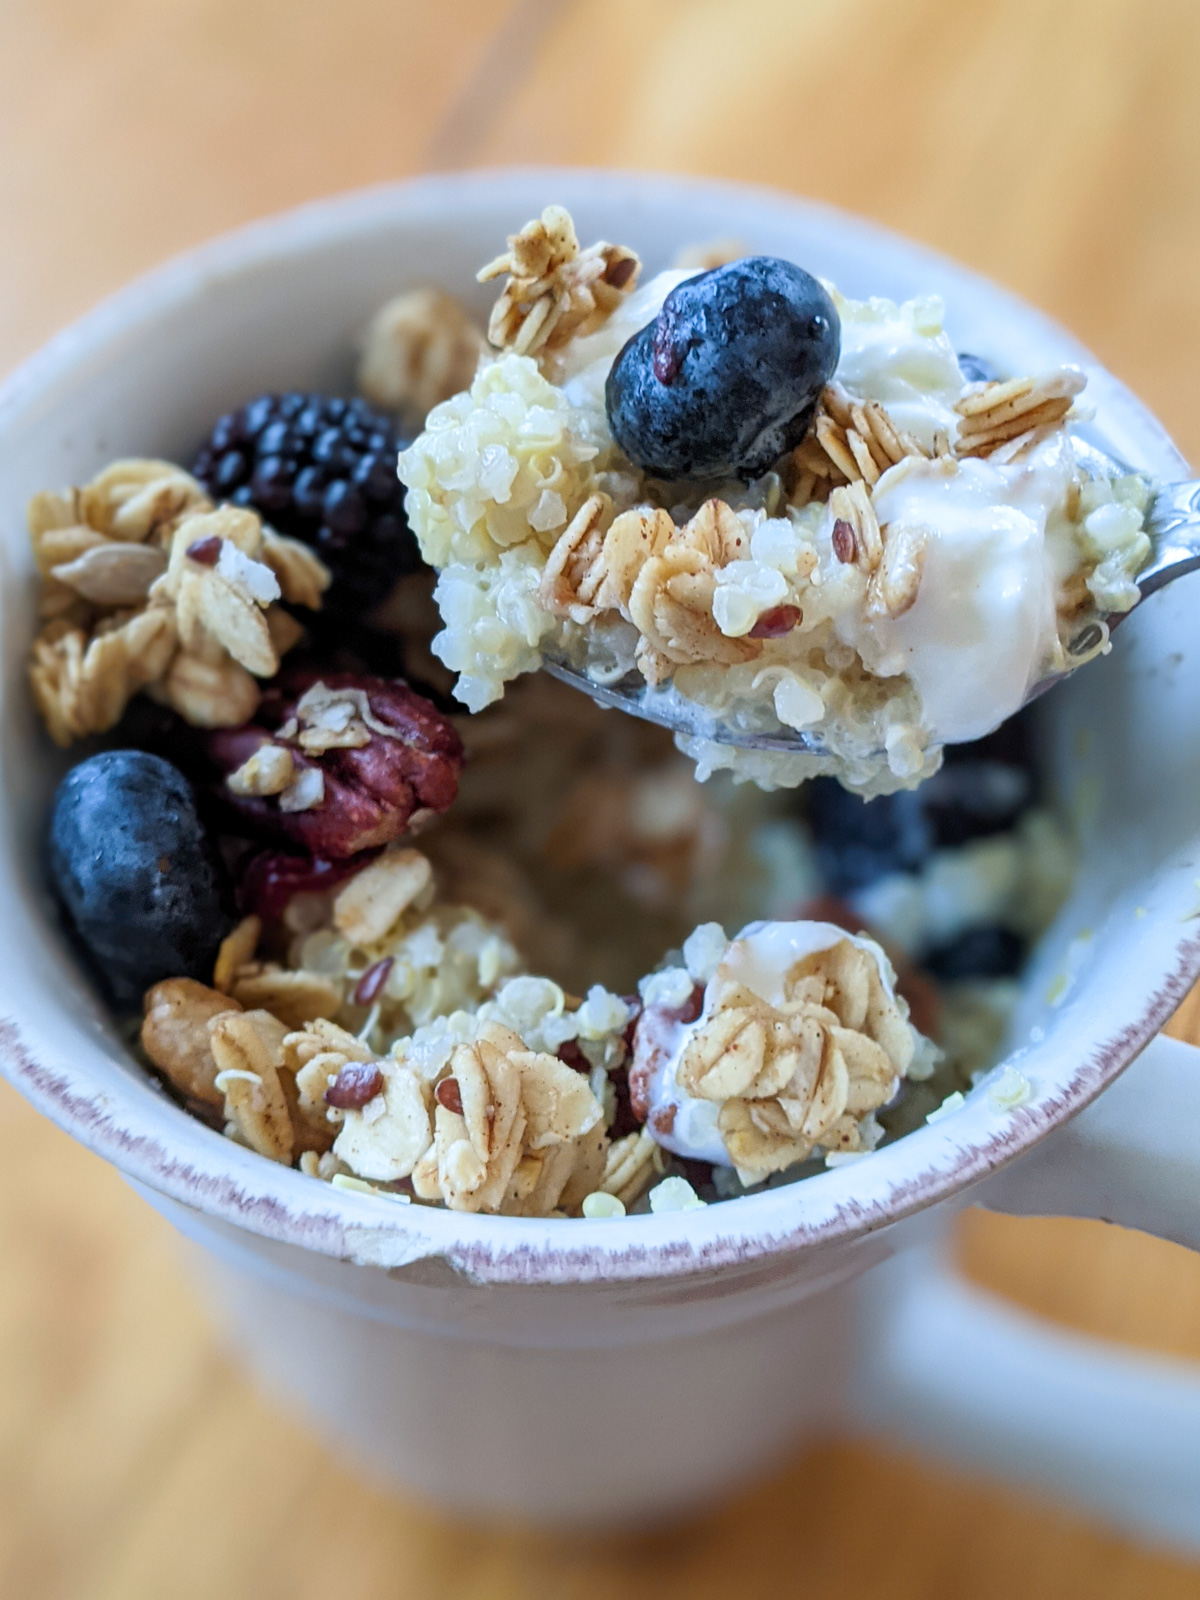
pixel 306 792
pixel 555 291
pixel 296 998
pixel 113 574
pixel 175 1035
pixel 420 348
pixel 237 948
pixel 268 771
pixel 374 900
pixel 359 795
pixel 248 1050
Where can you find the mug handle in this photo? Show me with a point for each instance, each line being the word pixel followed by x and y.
pixel 954 1370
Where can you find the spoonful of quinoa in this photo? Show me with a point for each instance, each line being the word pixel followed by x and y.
pixel 798 529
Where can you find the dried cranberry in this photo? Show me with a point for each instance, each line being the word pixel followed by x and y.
pixel 270 878
pixel 448 1094
pixel 371 793
pixel 355 1086
pixel 634 1002
pixel 625 1116
pixel 654 1037
pixel 572 1056
pixel 689 1010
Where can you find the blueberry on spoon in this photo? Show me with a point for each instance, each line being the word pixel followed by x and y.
pixel 724 380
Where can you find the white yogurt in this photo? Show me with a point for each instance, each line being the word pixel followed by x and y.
pixel 983 627
pixel 760 957
pixel 900 356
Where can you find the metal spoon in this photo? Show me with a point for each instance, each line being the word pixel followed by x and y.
pixel 1172 522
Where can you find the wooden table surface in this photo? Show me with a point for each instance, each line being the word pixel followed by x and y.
pixel 1055 146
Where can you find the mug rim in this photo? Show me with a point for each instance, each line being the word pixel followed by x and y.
pixel 155 1142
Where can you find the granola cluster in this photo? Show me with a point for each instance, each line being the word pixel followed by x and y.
pixel 506 1103
pixel 407 1053
pixel 146 587
pixel 554 291
pixel 420 348
pixel 852 441
pixel 801 1072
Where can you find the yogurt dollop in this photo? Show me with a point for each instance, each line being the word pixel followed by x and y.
pixel 983 628
pixel 901 356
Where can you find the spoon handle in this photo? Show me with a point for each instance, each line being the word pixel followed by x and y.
pixel 1174 526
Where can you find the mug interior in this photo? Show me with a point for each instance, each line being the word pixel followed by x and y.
pixel 279 305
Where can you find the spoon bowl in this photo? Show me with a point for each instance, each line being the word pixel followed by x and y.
pixel 1172 522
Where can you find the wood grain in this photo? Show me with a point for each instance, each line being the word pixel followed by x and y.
pixel 1054 147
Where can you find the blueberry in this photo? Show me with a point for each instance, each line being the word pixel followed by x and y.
pixel 970 799
pixel 724 380
pixel 133 867
pixel 976 369
pixel 978 953
pixel 858 841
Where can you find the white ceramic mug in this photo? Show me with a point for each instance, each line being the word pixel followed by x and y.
pixel 586 1371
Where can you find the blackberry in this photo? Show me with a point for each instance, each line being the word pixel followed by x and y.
pixel 322 470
